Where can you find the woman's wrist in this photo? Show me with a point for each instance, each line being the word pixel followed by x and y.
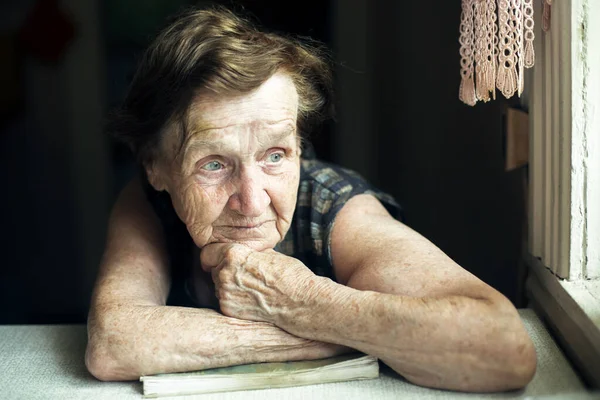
pixel 310 297
pixel 328 312
pixel 270 343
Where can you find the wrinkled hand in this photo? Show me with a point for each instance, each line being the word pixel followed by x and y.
pixel 257 286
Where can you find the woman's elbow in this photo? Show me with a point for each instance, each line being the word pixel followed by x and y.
pixel 522 363
pixel 99 364
pixel 514 350
pixel 104 366
pixel 106 359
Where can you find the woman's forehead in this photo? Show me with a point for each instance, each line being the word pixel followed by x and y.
pixel 270 110
pixel 274 101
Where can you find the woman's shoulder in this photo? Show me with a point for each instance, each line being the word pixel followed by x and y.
pixel 325 180
pixel 323 191
pixel 329 176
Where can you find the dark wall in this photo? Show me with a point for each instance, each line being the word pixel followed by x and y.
pixel 442 159
pixel 39 277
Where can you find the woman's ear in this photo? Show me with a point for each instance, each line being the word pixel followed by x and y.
pixel 155 177
pixel 300 144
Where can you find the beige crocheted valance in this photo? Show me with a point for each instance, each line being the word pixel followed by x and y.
pixel 496 44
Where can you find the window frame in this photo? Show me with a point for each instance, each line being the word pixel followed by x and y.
pixel 564 225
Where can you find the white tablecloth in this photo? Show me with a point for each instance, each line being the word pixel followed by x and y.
pixel 47 362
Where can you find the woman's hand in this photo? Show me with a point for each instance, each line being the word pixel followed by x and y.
pixel 257 286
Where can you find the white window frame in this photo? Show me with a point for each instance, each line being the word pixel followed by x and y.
pixel 564 224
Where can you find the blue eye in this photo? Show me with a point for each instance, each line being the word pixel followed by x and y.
pixel 212 166
pixel 275 157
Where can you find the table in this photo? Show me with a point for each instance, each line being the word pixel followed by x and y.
pixel 47 362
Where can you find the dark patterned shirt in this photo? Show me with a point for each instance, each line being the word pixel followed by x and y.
pixel 323 190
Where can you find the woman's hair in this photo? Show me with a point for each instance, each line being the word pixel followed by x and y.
pixel 217 51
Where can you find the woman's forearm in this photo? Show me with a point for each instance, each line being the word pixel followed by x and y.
pixel 126 342
pixel 452 342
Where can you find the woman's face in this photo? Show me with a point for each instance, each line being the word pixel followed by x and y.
pixel 235 179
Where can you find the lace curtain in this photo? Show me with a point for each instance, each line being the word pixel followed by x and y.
pixel 496 44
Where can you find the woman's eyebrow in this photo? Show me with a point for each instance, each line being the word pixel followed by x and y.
pixel 208 145
pixel 202 126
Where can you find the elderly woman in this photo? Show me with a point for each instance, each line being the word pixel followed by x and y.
pixel 237 246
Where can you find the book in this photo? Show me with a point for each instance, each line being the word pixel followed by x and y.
pixel 262 376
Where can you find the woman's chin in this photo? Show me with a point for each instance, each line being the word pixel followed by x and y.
pixel 257 238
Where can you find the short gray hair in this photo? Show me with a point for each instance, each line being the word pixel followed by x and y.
pixel 217 50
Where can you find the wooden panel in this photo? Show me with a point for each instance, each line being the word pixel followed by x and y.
pixel 517 139
pixel 536 149
pixel 564 156
pixel 555 118
pixel 553 167
pixel 547 228
pixel 571 319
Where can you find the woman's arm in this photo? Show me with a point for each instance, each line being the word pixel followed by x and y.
pixel 130 330
pixel 411 305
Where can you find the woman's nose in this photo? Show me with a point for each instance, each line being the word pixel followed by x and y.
pixel 251 198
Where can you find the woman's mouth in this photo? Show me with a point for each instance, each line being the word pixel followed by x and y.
pixel 247 226
pixel 244 231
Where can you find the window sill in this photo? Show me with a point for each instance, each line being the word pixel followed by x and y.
pixel 572 309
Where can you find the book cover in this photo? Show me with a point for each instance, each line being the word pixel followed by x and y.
pixel 261 376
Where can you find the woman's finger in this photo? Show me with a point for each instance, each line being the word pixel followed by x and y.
pixel 212 255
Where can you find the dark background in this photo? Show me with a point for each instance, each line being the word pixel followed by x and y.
pixel 400 123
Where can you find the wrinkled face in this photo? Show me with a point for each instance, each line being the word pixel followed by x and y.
pixel 235 179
